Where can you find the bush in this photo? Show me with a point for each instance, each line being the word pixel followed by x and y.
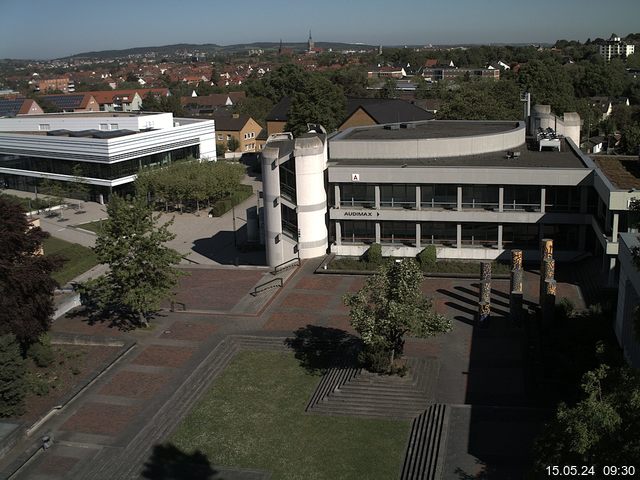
pixel 41 352
pixel 223 205
pixel 375 358
pixel 37 384
pixel 373 255
pixel 427 258
pixel 12 377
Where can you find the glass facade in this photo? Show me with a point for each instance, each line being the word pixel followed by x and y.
pixel 397 196
pixel 398 232
pixel 439 196
pixel 562 199
pixel 518 235
pixel 479 235
pixel 288 180
pixel 357 195
pixel 522 197
pixel 438 233
pixel 289 222
pixel 358 232
pixel 104 171
pixel 480 196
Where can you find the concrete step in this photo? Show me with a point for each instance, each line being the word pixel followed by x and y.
pixel 427 442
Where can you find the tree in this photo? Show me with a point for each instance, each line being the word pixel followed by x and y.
pixel 79 187
pixel 389 89
pixel 256 107
pixel 233 144
pixel 601 429
pixel 388 307
pixel 156 103
pixel 26 286
pixel 318 101
pixel 12 377
pixel 631 139
pixel 141 268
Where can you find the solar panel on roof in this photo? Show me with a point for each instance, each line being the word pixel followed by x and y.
pixel 10 108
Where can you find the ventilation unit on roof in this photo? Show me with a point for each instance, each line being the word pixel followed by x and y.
pixel 407 125
pixel 394 126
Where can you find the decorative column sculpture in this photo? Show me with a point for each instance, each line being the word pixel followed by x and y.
pixel 516 293
pixel 547 282
pixel 484 302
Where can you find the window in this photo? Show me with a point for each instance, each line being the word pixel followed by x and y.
pixel 219 137
pixel 113 126
pixel 228 137
pixel 44 127
pixel 104 126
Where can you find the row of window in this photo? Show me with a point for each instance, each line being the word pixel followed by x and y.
pixel 473 196
pixel 97 170
pixel 445 233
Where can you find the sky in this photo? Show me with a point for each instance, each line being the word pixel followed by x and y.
pixel 42 29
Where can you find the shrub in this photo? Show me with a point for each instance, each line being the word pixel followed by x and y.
pixel 375 358
pixel 12 377
pixel 373 255
pixel 223 205
pixel 37 384
pixel 41 352
pixel 427 258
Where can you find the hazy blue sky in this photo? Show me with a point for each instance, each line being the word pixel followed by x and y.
pixel 50 28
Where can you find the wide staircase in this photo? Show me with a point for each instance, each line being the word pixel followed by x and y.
pixel 356 392
pixel 427 444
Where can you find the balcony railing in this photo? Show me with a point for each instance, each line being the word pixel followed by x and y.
pixel 358 203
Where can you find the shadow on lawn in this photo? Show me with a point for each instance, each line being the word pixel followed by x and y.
pixel 168 462
pixel 322 348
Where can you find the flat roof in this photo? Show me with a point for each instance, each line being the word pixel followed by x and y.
pixel 529 157
pixel 90 114
pixel 428 129
pixel 622 171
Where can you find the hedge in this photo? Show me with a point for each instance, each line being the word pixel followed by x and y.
pixel 223 205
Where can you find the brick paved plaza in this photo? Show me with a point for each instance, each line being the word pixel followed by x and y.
pixel 105 425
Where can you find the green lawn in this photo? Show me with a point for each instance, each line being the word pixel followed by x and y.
pixel 253 417
pixel 91 226
pixel 79 259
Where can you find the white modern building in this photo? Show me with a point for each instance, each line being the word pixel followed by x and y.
pixel 110 148
pixel 474 189
pixel 615 47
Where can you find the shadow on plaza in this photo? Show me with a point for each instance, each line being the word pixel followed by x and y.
pixel 495 430
pixel 322 348
pixel 226 248
pixel 168 462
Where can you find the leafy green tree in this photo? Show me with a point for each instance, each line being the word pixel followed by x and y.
pixel 256 107
pixel 156 103
pixel 317 101
pixel 631 139
pixel 26 286
pixel 280 83
pixel 12 377
pixel 233 144
pixel 352 80
pixel 388 307
pixel 141 267
pixel 482 100
pixel 389 89
pixel 601 429
pixel 549 84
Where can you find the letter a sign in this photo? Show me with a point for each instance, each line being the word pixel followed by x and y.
pixel 355 177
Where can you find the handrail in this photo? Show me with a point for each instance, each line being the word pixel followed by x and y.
pixel 283 265
pixel 267 285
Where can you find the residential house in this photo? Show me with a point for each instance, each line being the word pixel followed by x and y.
pixel 73 102
pixel 386 72
pixel 63 84
pixel 241 127
pixel 207 104
pixel 362 112
pixel 13 107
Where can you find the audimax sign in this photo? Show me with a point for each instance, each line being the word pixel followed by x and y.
pixel 359 213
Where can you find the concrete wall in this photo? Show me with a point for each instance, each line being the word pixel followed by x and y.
pixel 311 161
pixel 85 121
pixel 430 147
pixel 628 300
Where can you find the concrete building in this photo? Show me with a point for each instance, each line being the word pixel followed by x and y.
pixel 473 189
pixel 628 299
pixel 110 148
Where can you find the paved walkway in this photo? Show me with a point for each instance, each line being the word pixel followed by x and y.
pixel 111 430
